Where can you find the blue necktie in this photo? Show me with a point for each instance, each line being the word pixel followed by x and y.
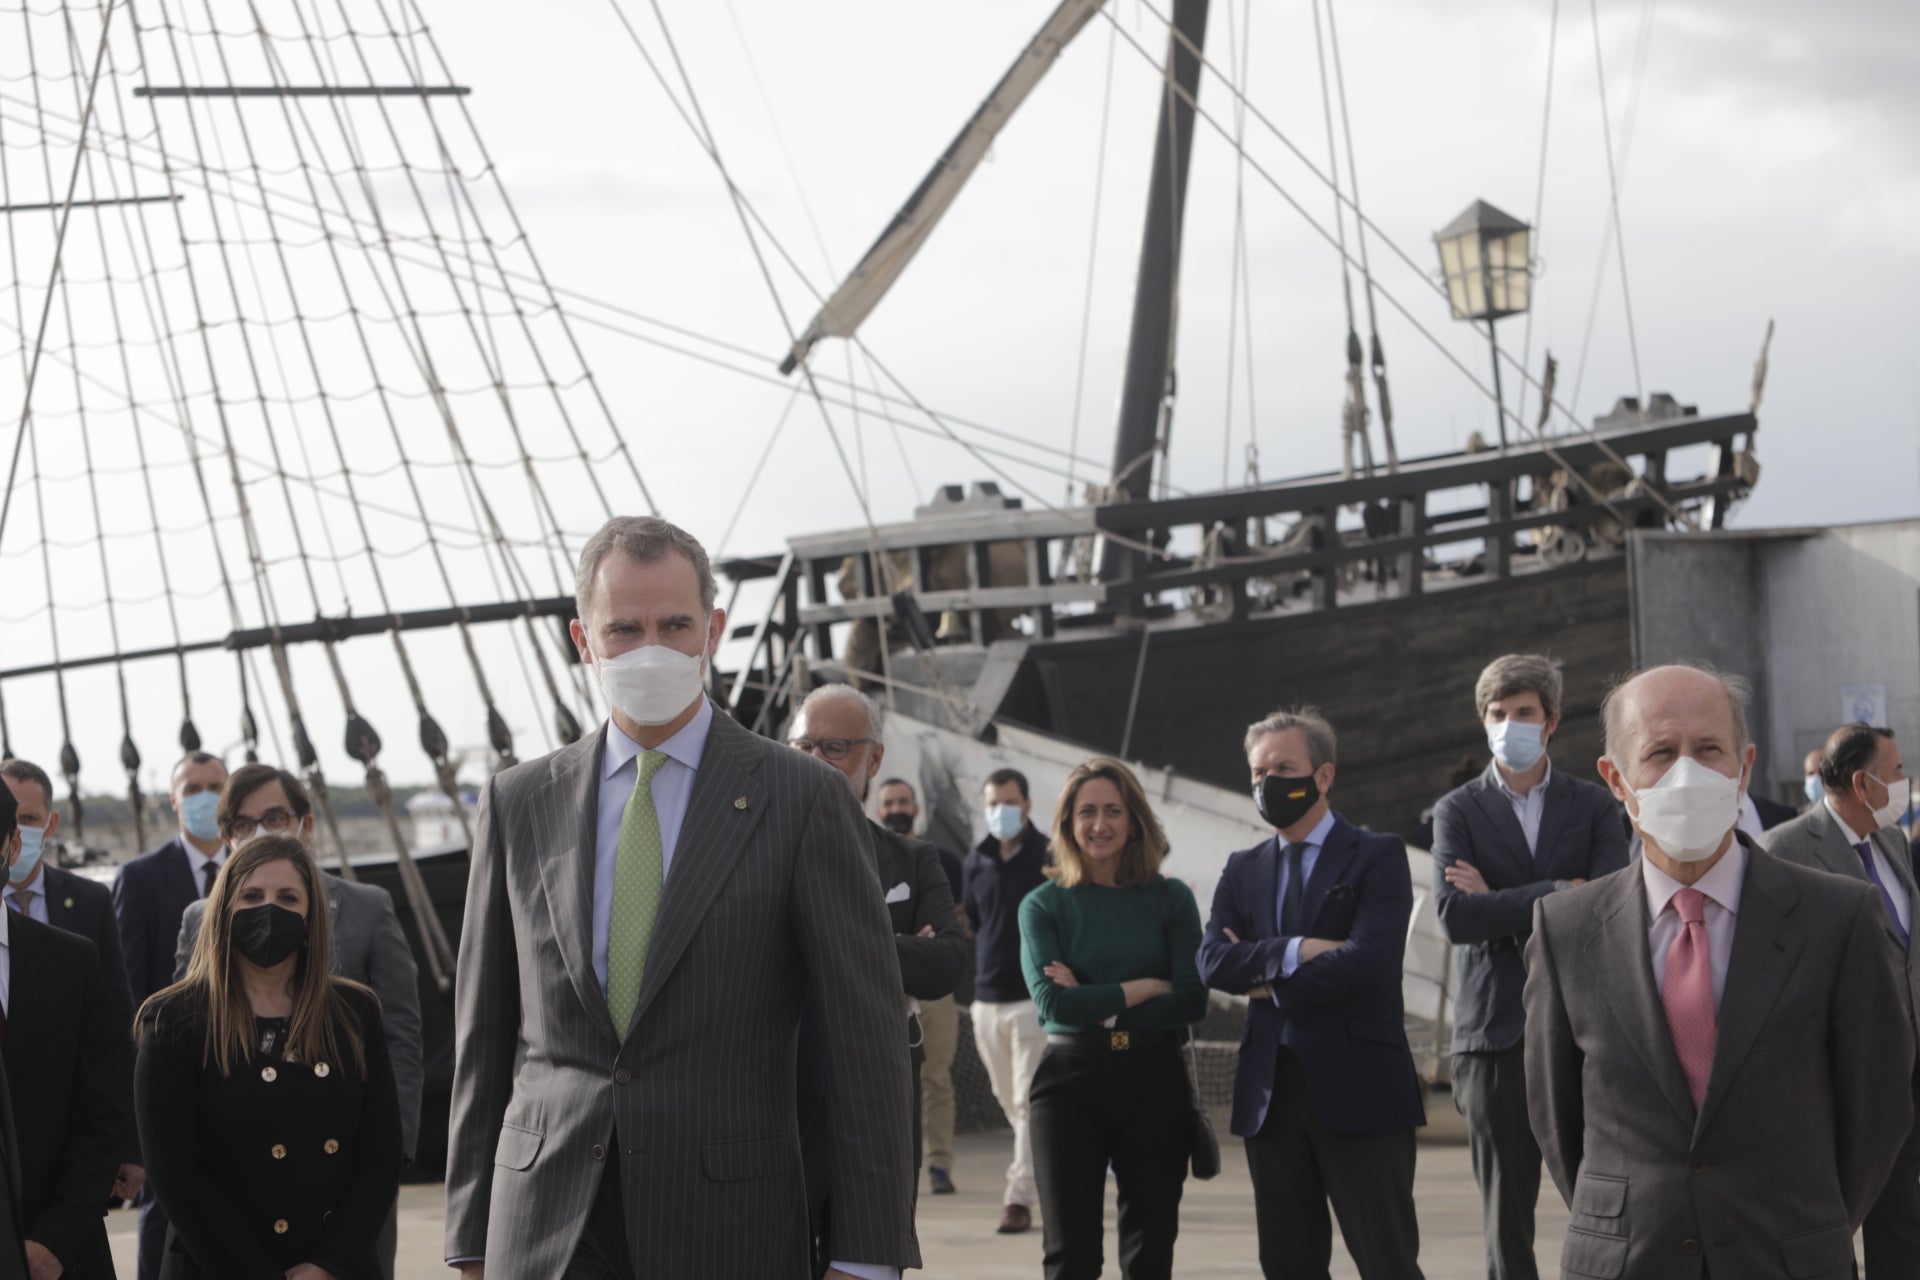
pixel 1291 895
pixel 1865 850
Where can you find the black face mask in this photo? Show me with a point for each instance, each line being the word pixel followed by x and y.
pixel 901 824
pixel 268 934
pixel 1284 801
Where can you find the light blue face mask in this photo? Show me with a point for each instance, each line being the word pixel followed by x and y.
pixel 1004 821
pixel 200 815
pixel 1816 790
pixel 1516 744
pixel 32 842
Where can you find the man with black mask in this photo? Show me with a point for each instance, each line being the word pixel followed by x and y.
pixel 1311 926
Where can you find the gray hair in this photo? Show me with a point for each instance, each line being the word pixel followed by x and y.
pixel 846 693
pixel 1739 696
pixel 1320 739
pixel 645 539
pixel 1513 673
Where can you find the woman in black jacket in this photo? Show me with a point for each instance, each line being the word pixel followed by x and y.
pixel 265 1097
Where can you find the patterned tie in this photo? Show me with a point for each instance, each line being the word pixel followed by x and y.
pixel 637 876
pixel 1865 850
pixel 1687 992
pixel 21 900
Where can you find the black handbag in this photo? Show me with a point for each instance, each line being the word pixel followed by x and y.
pixel 1204 1157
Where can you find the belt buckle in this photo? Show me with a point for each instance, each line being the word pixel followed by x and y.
pixel 1119 1040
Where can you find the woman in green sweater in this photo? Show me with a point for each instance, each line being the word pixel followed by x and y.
pixel 1108 945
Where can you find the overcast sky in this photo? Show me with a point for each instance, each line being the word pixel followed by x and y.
pixel 1769 169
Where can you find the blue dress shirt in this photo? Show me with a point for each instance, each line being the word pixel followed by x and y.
pixel 1309 855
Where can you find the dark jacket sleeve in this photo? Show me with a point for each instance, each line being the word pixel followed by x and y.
pixel 1371 959
pixel 97 1130
pixel 394 976
pixel 353 1231
pixel 130 913
pixel 930 967
pixel 1556 1107
pixel 1610 850
pixel 105 934
pixel 1236 967
pixel 1873 1055
pixel 1475 917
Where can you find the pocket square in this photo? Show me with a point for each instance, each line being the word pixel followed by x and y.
pixel 899 892
pixel 1341 890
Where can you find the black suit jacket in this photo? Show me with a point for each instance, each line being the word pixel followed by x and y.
pixel 85 907
pixel 274 1165
pixel 13 1227
pixel 1772 812
pixel 150 894
pixel 1582 837
pixel 66 1063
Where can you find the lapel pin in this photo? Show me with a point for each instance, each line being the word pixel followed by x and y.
pixel 741 803
pixel 68 904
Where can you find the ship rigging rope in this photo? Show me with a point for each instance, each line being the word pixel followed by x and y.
pixel 1353 418
pixel 1240 272
pixel 1594 437
pixel 1540 196
pixel 1093 258
pixel 1613 202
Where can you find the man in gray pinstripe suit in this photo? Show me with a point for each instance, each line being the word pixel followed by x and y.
pixel 666 1145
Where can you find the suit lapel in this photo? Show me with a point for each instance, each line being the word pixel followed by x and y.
pixel 566 831
pixel 1498 810
pixel 1831 845
pixel 1328 869
pixel 1766 947
pixel 24 981
pixel 180 872
pixel 1553 815
pixel 1266 889
pixel 715 832
pixel 57 914
pixel 1619 957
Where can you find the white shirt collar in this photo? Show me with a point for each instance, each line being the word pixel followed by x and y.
pixel 1722 884
pixel 1845 830
pixel 1316 838
pixel 6 929
pixel 1539 788
pixel 687 746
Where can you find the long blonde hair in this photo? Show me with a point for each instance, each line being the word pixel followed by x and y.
pixel 322 1028
pixel 1146 843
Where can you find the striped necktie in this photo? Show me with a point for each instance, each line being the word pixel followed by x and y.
pixel 637 879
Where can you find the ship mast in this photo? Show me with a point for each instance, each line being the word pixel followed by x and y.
pixel 1147 387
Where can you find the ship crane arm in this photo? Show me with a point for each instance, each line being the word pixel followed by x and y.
pixel 842 314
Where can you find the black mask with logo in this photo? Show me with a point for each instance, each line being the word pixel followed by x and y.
pixel 901 824
pixel 269 933
pixel 1284 801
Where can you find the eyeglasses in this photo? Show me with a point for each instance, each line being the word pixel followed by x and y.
pixel 273 822
pixel 828 748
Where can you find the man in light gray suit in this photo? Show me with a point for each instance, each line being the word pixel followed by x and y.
pixel 1850 832
pixel 368 944
pixel 1521 830
pixel 647 911
pixel 1719 1068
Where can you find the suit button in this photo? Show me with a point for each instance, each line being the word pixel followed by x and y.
pixel 1689 1247
pixel 280 1226
pixel 622 1076
pixel 599 1152
pixel 330 1146
pixel 269 1074
pixel 279 1151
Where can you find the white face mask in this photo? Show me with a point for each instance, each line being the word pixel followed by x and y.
pixel 1688 813
pixel 653 684
pixel 1895 808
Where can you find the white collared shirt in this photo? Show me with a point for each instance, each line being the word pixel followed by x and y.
pixel 1722 885
pixel 1529 808
pixel 197 863
pixel 1896 888
pixel 672 789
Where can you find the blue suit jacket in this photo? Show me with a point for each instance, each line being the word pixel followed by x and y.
pixel 150 894
pixel 1342 1012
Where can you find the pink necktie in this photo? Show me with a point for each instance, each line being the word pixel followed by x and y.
pixel 1687 992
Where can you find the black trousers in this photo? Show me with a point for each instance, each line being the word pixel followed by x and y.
pixel 1891 1233
pixel 1129 1108
pixel 1490 1090
pixel 1298 1165
pixel 602 1253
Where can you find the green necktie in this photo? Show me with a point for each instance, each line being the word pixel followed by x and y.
pixel 637 877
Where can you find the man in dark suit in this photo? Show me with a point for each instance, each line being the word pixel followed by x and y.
pixel 648 911
pixel 840 725
pixel 1311 925
pixel 1519 831
pixel 13 1225
pixel 53 895
pixel 66 1064
pixel 1850 833
pixel 368 944
pixel 1719 1065
pixel 149 894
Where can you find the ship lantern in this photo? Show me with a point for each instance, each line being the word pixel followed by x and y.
pixel 1483 260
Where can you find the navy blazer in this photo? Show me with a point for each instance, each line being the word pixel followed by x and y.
pixel 1583 836
pixel 85 907
pixel 1342 1012
pixel 150 894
